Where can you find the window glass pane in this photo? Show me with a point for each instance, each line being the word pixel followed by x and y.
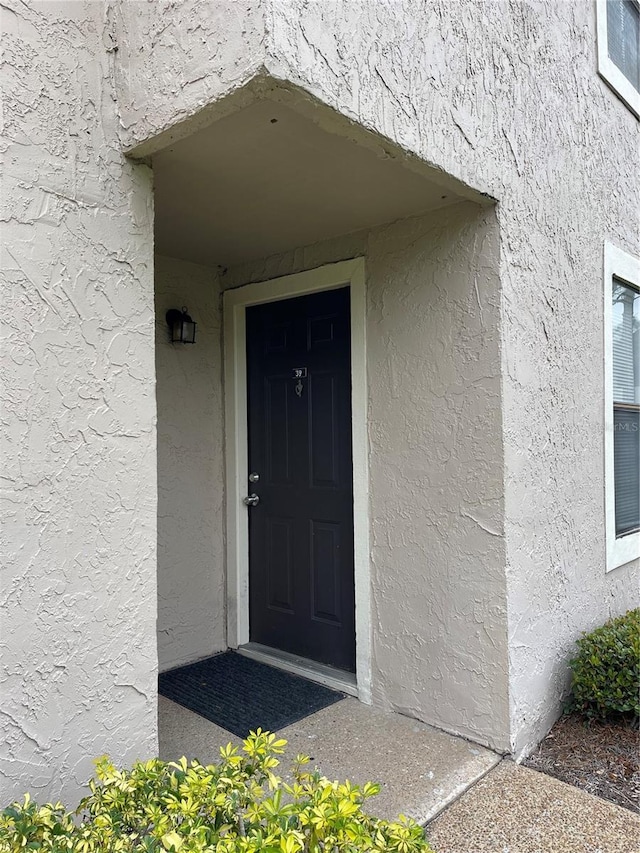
pixel 626 343
pixel 623 38
pixel 626 405
pixel 626 462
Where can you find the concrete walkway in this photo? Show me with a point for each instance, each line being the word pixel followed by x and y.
pixel 420 768
pixel 470 799
pixel 517 810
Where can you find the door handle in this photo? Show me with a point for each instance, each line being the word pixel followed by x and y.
pixel 251 500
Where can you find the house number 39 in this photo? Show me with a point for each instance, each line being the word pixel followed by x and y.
pixel 299 373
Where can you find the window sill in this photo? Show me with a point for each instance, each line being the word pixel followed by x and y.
pixel 621 87
pixel 622 551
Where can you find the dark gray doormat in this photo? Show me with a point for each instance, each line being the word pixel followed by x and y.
pixel 240 694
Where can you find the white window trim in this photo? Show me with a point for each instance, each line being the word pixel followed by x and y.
pixel 624 266
pixel 608 70
pixel 330 276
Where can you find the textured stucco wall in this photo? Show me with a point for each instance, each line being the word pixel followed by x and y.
pixel 191 583
pixel 439 618
pixel 78 586
pixel 176 57
pixel 483 90
pixel 505 95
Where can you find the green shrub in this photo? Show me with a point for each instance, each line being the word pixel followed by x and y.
pixel 236 806
pixel 606 670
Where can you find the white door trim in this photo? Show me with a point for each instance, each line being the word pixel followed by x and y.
pixel 328 277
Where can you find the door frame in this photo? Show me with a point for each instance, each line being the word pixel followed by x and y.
pixel 349 273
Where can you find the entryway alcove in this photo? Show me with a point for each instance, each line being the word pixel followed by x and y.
pixel 265 200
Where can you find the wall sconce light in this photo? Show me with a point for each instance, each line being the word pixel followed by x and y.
pixel 182 329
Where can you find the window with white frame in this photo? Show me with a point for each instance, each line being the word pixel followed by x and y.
pixel 618 25
pixel 622 405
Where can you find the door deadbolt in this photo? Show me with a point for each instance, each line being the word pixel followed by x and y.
pixel 254 477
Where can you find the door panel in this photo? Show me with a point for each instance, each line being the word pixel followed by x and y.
pixel 323 428
pixel 277 429
pixel 325 570
pixel 301 584
pixel 279 566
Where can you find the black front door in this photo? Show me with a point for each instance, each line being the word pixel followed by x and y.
pixel 301 585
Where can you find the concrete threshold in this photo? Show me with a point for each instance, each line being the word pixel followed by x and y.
pixel 344 682
pixel 421 769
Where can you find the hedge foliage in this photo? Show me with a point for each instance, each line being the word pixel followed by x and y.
pixel 236 806
pixel 606 670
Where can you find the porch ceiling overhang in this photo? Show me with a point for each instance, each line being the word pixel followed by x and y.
pixel 278 173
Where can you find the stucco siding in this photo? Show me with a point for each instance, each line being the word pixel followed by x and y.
pixel 191 579
pixel 439 621
pixel 78 588
pixel 505 95
pixel 554 442
pixel 485 357
pixel 176 59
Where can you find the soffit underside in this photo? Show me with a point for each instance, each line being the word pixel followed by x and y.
pixel 267 179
